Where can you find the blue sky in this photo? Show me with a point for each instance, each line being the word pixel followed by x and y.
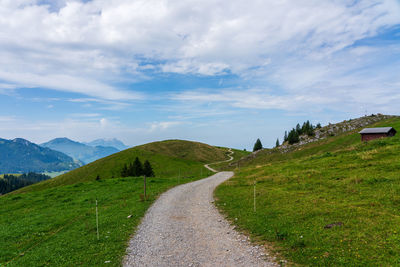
pixel 211 71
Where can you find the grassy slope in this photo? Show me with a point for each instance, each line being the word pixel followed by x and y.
pixel 54 224
pixel 237 154
pixel 336 180
pixel 186 150
pixel 57 226
pixel 168 159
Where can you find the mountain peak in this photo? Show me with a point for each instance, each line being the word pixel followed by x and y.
pixel 108 142
pixel 61 140
pixel 21 141
pixel 20 155
pixel 80 151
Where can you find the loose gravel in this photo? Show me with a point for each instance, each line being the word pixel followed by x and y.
pixel 183 228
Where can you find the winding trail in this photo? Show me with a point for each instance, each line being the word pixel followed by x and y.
pixel 230 159
pixel 183 228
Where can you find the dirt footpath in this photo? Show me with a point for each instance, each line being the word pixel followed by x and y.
pixel 183 228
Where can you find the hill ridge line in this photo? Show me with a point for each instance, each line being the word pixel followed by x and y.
pixel 230 159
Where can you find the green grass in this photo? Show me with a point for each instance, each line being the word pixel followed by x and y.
pixel 336 180
pixel 53 223
pixel 237 154
pixel 187 161
pixel 187 150
pixel 57 226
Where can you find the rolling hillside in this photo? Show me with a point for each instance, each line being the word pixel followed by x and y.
pixel 186 150
pixel 171 158
pixel 55 220
pixel 333 202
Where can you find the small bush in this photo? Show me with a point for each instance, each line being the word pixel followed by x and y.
pixel 281 235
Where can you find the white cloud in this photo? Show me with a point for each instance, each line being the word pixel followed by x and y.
pixel 85 115
pixel 163 125
pixel 7 86
pixel 105 104
pixel 7 119
pixel 104 123
pixel 252 99
pixel 300 48
pixel 192 36
pixel 68 84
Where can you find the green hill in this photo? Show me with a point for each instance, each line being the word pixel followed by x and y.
pixel 171 158
pixel 54 222
pixel 186 150
pixel 333 202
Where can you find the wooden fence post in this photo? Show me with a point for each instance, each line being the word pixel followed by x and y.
pixel 145 197
pixel 254 193
pixel 97 221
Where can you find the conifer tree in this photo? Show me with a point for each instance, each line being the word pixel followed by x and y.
pixel 257 145
pixel 298 129
pixel 124 172
pixel 285 138
pixel 293 137
pixel 147 169
pixel 277 142
pixel 136 168
pixel 304 128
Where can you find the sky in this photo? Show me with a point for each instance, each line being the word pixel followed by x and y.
pixel 219 72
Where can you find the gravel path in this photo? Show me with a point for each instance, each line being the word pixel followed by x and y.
pixel 183 228
pixel 230 159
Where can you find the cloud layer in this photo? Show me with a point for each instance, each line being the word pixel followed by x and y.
pixel 86 46
pixel 288 55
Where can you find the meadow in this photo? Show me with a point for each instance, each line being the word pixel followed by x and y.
pixel 57 226
pixel 331 203
pixel 237 154
pixel 53 223
pixel 171 158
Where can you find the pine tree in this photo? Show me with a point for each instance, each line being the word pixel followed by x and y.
pixel 309 129
pixel 319 125
pixel 277 142
pixel 304 127
pixel 124 172
pixel 298 129
pixel 130 171
pixel 257 145
pixel 147 169
pixel 137 168
pixel 293 137
pixel 285 138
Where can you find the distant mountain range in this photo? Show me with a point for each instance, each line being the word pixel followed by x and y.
pixel 21 156
pixel 113 142
pixel 83 152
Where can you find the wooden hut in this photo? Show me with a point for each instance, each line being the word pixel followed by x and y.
pixel 368 134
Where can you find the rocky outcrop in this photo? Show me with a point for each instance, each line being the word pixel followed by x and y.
pixel 321 133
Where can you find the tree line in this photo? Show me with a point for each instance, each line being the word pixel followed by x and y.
pixel 293 136
pixel 11 182
pixel 136 169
